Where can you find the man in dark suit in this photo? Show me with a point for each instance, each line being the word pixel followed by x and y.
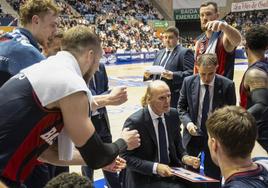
pixel 98 85
pixel 200 95
pixel 177 61
pixel 161 147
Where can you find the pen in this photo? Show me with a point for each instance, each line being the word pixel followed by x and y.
pixel 199 155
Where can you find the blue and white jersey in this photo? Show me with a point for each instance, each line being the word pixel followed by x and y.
pixel 18 50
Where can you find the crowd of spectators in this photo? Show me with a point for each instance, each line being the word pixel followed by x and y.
pixel 245 20
pixel 69 17
pixel 15 4
pixel 140 10
pixel 119 35
pixel 4 14
pixel 6 19
pixel 122 24
pixel 188 42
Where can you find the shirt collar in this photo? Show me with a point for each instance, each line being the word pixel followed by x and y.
pixel 171 50
pixel 210 84
pixel 30 37
pixel 245 174
pixel 152 114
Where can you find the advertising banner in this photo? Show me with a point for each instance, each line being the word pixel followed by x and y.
pixel 249 6
pixel 128 58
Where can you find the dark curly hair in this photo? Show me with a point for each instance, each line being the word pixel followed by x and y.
pixel 69 180
pixel 257 38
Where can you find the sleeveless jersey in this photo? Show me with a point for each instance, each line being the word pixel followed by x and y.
pixel 26 128
pixel 225 59
pixel 245 101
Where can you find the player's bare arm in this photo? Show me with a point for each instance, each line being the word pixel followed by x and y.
pixel 256 79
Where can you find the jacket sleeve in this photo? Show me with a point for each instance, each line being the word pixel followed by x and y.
pixel 187 64
pixel 133 161
pixel 183 106
pixel 231 94
pixel 178 140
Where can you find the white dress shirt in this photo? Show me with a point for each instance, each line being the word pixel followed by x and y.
pixel 155 123
pixel 164 57
pixel 202 92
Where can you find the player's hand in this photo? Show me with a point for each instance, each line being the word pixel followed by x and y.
pixel 167 74
pixel 192 129
pixel 132 138
pixel 191 161
pixel 118 96
pixel 116 166
pixel 164 170
pixel 216 25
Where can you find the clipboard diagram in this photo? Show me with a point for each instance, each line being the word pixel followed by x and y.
pixel 156 69
pixel 191 176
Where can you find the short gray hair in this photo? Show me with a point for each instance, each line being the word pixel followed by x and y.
pixel 207 59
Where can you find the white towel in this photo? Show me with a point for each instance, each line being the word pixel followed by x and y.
pixel 52 79
pixel 213 43
pixel 65 146
pixel 56 77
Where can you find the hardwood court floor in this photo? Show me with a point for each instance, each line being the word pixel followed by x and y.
pixel 131 75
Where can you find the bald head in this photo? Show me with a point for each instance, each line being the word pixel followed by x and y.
pixel 158 97
pixel 157 84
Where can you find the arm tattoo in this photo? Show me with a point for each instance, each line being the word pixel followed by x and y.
pixel 256 79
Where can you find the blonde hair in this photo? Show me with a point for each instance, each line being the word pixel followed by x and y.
pixel 144 99
pixel 36 7
pixel 80 38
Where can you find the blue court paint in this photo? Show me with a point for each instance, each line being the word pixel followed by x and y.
pixel 99 183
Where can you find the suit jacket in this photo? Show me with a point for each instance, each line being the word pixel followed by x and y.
pixel 224 94
pixel 100 88
pixel 181 63
pixel 139 172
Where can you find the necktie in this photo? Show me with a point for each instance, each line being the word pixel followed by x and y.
pixel 163 150
pixel 205 109
pixel 164 61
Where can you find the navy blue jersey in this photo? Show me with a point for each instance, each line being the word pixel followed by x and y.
pixel 250 179
pixel 26 128
pixel 18 50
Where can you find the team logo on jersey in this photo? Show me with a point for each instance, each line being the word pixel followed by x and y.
pixel 49 136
